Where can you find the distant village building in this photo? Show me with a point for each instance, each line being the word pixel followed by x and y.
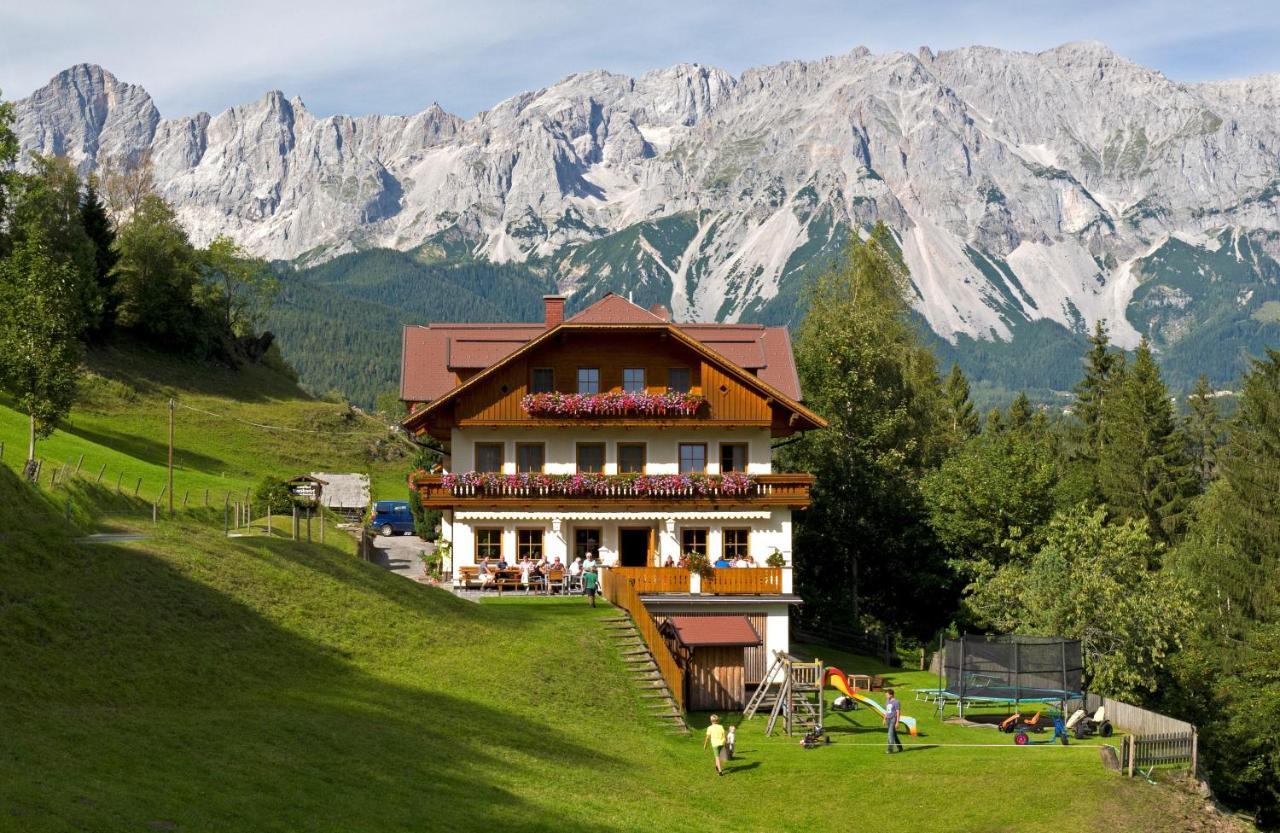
pixel 620 433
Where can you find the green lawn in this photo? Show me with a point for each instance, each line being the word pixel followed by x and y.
pixel 197 683
pixel 120 421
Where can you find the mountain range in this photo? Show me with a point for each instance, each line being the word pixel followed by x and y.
pixel 1031 194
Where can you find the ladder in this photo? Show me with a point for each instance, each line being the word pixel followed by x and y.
pixel 765 690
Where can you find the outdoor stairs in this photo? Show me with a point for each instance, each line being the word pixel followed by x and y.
pixel 645 674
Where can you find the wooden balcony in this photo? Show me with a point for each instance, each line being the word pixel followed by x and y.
pixel 734 581
pixel 764 491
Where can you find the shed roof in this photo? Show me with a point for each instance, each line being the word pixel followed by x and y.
pixel 706 631
pixel 344 491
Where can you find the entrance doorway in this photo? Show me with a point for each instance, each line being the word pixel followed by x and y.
pixel 634 546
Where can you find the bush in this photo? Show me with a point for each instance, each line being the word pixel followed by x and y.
pixel 272 494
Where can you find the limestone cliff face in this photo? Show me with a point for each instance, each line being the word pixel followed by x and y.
pixel 1021 186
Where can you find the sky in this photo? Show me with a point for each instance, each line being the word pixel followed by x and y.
pixel 395 56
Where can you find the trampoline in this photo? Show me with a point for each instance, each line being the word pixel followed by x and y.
pixel 1008 670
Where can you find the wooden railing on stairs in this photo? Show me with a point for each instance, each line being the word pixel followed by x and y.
pixel 621 591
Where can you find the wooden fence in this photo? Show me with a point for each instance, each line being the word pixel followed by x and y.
pixel 620 590
pixel 1135 720
pixel 1164 749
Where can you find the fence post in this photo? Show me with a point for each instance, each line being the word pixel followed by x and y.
pixel 1195 753
pixel 206 497
pixel 1133 753
pixel 185 494
pixel 137 488
pixel 268 519
pixel 101 472
pixel 79 463
pixel 154 512
pixel 322 524
pixel 1 452
pixel 118 479
pixel 295 523
pixel 226 518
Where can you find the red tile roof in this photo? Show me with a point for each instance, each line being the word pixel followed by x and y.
pixel 433 354
pixel 704 631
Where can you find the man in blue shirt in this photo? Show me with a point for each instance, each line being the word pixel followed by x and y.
pixel 892 711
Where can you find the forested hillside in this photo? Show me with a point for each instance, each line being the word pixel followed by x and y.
pixel 338 324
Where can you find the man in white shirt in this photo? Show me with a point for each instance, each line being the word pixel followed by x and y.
pixel 741 562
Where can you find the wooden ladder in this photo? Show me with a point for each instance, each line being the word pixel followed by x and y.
pixel 763 691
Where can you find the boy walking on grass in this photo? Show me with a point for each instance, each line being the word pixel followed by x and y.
pixel 892 710
pixel 591 583
pixel 715 737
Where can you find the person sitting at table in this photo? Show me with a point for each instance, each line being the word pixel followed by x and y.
pixel 670 562
pixel 502 563
pixel 485 572
pixel 683 563
pixel 721 563
pixel 575 567
pixel 741 561
pixel 526 568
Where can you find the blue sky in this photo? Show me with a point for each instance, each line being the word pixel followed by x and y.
pixel 396 56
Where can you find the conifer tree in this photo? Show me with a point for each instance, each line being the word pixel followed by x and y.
pixel 98 228
pixel 1020 413
pixel 1100 367
pixel 1143 470
pixel 1204 431
pixel 960 412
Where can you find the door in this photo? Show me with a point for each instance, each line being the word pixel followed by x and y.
pixel 633 546
pixel 717 679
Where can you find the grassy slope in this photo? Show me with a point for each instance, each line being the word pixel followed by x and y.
pixel 121 420
pixel 254 684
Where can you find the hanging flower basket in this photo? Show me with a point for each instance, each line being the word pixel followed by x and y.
pixel 611 404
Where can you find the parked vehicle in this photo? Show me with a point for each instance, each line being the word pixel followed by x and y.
pixel 391 517
pixel 1082 725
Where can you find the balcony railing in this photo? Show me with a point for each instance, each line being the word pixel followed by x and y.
pixel 764 490
pixel 744 580
pixel 655 579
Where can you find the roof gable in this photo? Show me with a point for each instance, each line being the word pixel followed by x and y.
pixel 709 631
pixel 614 309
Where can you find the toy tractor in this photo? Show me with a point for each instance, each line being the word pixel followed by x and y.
pixel 1059 734
pixel 1083 725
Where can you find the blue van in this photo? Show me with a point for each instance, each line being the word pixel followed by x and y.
pixel 391 517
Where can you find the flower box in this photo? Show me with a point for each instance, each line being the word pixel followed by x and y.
pixel 585 484
pixel 614 404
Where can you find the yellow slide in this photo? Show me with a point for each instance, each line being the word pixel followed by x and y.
pixel 836 678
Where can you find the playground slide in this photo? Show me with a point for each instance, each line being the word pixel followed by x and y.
pixel 836 678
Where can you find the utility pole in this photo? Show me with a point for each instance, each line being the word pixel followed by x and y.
pixel 171 455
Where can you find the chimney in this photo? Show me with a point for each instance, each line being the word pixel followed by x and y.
pixel 554 306
pixel 660 311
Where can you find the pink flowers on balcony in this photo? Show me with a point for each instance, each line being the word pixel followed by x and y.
pixel 611 404
pixel 621 485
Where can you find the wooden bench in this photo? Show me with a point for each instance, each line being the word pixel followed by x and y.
pixel 508 579
pixel 467 577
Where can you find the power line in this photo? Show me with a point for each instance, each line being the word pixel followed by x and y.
pixel 266 427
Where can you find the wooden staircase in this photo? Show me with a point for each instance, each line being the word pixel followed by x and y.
pixel 644 672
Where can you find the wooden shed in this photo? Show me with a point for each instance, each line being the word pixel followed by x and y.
pixel 713 651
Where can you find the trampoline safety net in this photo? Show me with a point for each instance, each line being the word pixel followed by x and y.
pixel 1013 667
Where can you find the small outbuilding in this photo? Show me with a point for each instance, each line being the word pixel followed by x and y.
pixel 712 650
pixel 345 494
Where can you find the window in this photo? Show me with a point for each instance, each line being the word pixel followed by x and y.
pixel 590 457
pixel 678 379
pixel 530 457
pixel 631 458
pixel 693 540
pixel 733 457
pixel 529 544
pixel 735 544
pixel 586 540
pixel 633 379
pixel 588 380
pixel 488 543
pixel 543 381
pixel 693 458
pixel 488 456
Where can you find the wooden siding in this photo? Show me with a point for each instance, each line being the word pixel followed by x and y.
pixel 754 655
pixel 716 679
pixel 496 400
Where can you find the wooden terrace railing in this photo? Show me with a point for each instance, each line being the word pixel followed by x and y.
pixel 620 590
pixel 766 490
pixel 655 579
pixel 746 580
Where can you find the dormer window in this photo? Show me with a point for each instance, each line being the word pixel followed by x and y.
pixel 633 379
pixel 588 380
pixel 679 380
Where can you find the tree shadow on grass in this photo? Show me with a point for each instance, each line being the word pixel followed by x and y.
pixel 155 452
pixel 139 694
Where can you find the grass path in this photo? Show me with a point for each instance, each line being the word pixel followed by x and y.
pixel 197 683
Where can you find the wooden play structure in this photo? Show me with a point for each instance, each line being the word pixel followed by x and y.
pixel 792 690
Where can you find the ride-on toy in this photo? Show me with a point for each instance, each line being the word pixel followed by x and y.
pixel 1059 734
pixel 1082 725
pixel 1016 722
